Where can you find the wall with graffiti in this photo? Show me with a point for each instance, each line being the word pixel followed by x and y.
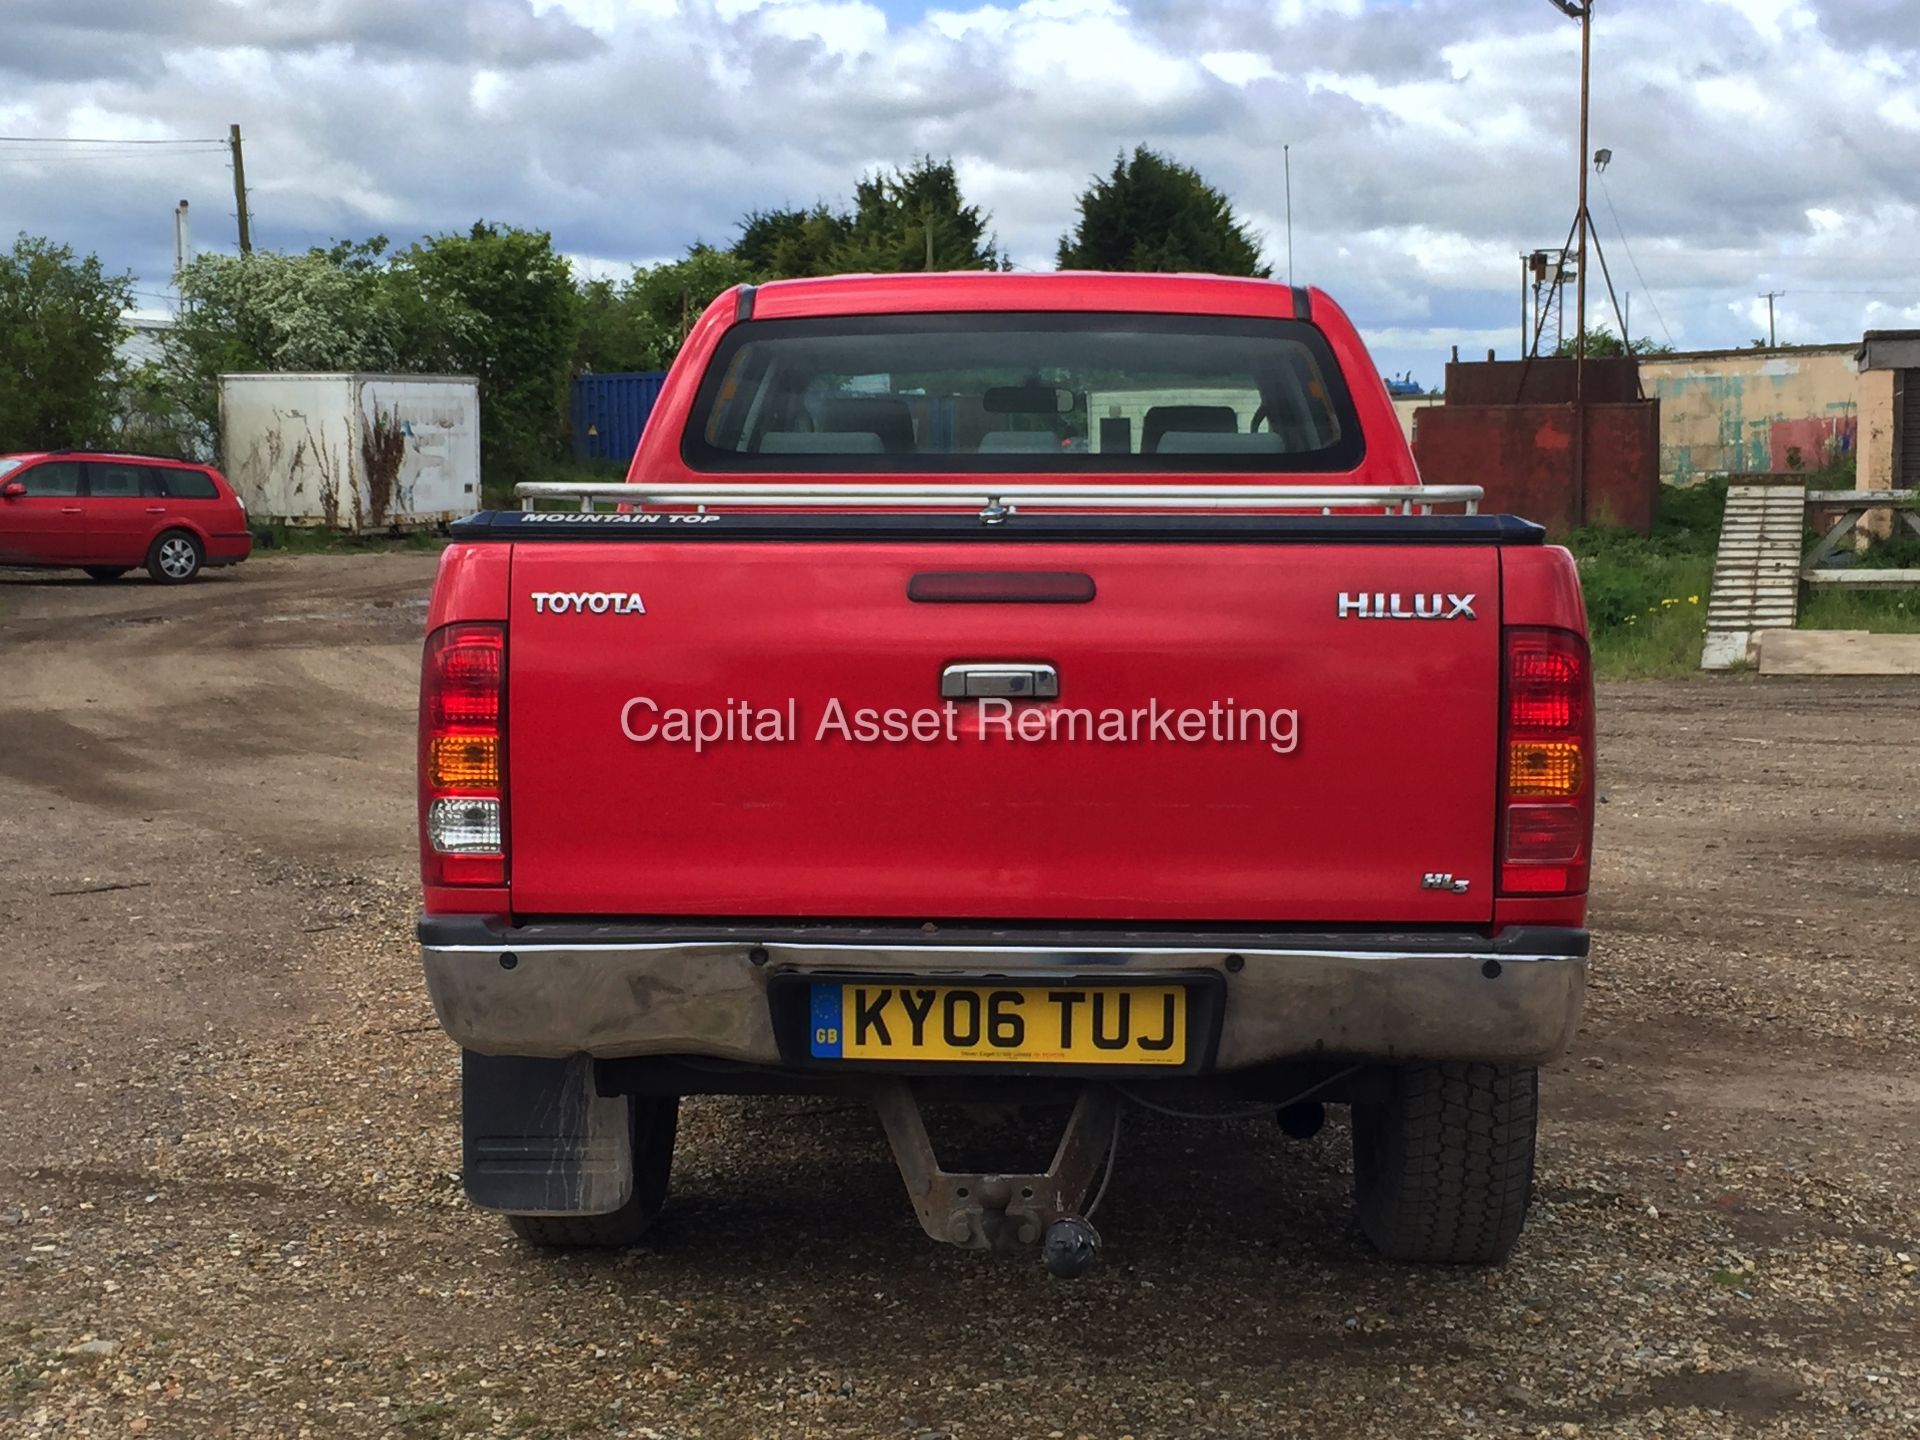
pixel 1754 411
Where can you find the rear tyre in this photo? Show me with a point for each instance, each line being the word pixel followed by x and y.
pixel 107 572
pixel 655 1122
pixel 1443 1168
pixel 174 558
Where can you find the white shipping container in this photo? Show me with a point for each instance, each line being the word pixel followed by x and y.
pixel 353 452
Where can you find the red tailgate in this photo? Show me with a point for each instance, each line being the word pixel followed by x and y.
pixel 1391 780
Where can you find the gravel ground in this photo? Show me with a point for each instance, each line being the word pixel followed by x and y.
pixel 228 1130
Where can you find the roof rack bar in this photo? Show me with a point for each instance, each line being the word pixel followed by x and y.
pixel 995 502
pixel 109 453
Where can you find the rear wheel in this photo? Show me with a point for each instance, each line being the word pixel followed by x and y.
pixel 107 572
pixel 1443 1167
pixel 655 1120
pixel 174 558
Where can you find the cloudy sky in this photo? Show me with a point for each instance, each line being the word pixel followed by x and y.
pixel 1758 144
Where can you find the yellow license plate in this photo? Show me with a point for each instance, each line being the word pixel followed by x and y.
pixel 1042 1024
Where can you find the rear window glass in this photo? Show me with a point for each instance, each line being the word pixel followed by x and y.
pixel 106 480
pixel 187 484
pixel 1023 392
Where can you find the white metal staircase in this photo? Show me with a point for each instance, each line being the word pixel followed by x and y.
pixel 1756 574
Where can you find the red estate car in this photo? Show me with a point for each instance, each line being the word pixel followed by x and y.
pixel 106 514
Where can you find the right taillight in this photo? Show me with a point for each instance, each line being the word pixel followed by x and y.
pixel 463 756
pixel 1546 764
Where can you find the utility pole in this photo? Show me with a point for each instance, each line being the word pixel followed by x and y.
pixel 1770 297
pixel 1525 328
pixel 1581 10
pixel 240 190
pixel 1286 154
pixel 1580 281
pixel 182 238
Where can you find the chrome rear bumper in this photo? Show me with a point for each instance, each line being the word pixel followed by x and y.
pixel 608 991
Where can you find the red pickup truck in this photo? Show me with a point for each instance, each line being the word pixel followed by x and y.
pixel 1009 688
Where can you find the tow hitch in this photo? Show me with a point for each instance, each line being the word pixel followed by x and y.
pixel 1004 1212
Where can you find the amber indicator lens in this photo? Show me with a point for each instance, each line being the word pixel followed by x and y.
pixel 1544 767
pixel 464 762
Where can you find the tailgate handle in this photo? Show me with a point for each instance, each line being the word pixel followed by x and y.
pixel 1017 680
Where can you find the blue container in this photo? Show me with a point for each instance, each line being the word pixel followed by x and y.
pixel 610 411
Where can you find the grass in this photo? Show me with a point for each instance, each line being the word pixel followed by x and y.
pixel 1890 612
pixel 498 494
pixel 323 540
pixel 1900 552
pixel 1647 595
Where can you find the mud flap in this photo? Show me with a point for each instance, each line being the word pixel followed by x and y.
pixel 537 1138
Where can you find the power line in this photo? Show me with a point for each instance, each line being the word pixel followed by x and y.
pixel 41 147
pixel 1719 292
pixel 92 156
pixel 1621 230
pixel 1915 293
pixel 65 149
pixel 86 140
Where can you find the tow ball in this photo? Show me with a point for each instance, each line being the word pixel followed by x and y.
pixel 1069 1247
pixel 1006 1212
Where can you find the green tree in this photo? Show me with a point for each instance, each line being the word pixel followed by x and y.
pixel 1153 213
pixel 916 219
pixel 642 324
pixel 789 244
pixel 341 308
pixel 521 350
pixel 59 326
pixel 899 218
pixel 607 338
pixel 1603 342
pixel 669 297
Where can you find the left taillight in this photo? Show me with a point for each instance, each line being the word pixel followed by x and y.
pixel 1546 764
pixel 463 745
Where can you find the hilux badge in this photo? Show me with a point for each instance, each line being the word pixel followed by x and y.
pixel 1395 606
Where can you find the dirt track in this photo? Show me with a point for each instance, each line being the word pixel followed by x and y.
pixel 228 1132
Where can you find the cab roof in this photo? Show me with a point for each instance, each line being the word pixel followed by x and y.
pixel 991 290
